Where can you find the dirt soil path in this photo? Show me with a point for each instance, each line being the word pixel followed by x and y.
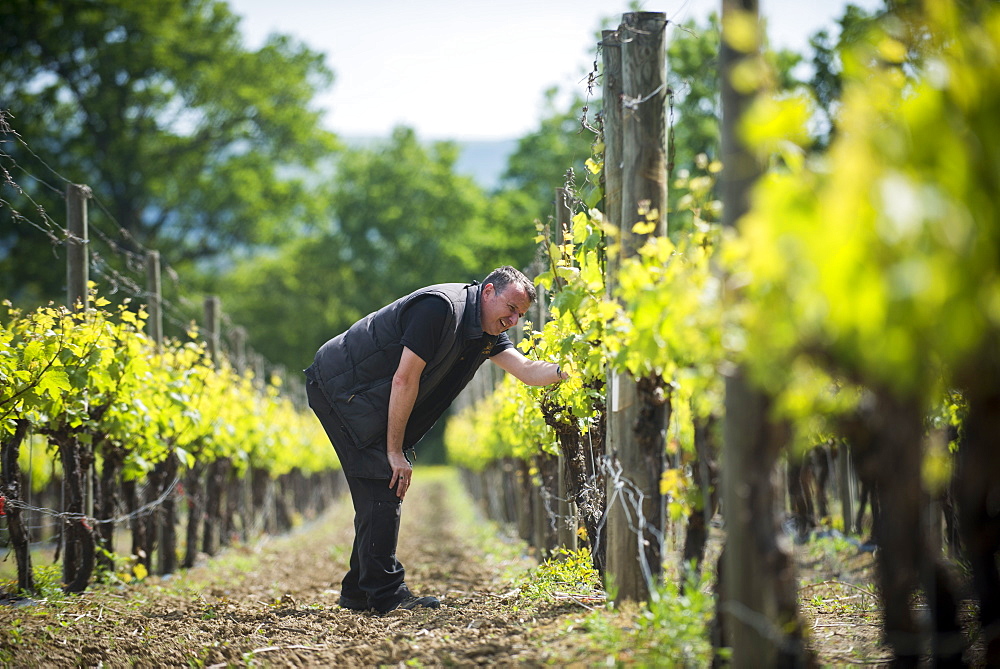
pixel 274 605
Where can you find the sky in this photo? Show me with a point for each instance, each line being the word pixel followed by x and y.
pixel 470 70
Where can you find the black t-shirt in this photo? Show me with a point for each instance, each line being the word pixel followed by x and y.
pixel 423 324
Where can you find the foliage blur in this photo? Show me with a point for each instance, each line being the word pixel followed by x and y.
pixel 882 265
pixel 97 377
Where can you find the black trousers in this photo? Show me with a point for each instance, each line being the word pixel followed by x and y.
pixel 375 575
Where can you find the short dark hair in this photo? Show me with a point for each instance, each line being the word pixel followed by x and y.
pixel 502 277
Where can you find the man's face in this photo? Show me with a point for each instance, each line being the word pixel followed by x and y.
pixel 502 311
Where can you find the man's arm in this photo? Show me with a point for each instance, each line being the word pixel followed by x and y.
pixel 405 384
pixel 532 372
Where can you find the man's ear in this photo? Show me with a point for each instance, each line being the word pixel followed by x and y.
pixel 489 287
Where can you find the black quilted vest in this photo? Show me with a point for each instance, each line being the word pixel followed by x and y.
pixel 355 369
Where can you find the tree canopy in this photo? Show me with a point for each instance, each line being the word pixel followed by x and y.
pixel 400 219
pixel 187 138
pixel 543 157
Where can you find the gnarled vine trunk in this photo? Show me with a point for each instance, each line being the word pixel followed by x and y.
pixel 78 537
pixel 10 488
pixel 978 500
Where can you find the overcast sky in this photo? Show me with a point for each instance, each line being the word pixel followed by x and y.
pixel 474 69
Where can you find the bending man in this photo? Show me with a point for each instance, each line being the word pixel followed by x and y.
pixel 381 385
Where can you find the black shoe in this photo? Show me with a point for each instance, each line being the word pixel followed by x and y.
pixel 353 604
pixel 411 602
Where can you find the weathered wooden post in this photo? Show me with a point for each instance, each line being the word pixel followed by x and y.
pixel 216 470
pixel 166 471
pixel 635 515
pixel 77 458
pixel 644 151
pixel 611 115
pixel 213 315
pixel 154 298
pixel 77 285
pixel 758 609
pixel 77 246
pixel 617 534
pixel 238 339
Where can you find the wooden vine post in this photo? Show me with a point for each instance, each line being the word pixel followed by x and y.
pixel 635 94
pixel 77 284
pixel 165 518
pixel 77 458
pixel 154 299
pixel 77 243
pixel 217 469
pixel 758 610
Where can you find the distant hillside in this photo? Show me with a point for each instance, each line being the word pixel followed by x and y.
pixel 484 161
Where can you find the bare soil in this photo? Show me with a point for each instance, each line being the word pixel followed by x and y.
pixel 274 605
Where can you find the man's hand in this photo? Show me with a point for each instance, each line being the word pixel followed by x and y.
pixel 532 372
pixel 402 474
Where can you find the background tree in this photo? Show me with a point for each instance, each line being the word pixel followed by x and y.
pixel 827 78
pixel 693 77
pixel 543 157
pixel 401 218
pixel 692 74
pixel 188 139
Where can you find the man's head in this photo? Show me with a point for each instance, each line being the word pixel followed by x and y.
pixel 506 296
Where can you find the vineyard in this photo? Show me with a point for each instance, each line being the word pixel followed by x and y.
pixel 797 322
pixel 842 306
pixel 272 604
pixel 91 391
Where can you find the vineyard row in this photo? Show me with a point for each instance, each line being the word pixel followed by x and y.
pixel 130 423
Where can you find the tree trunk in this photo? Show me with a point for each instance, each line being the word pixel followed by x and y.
pixel 759 604
pixel 78 546
pixel 136 526
pixel 168 520
pixel 195 513
pixel 107 503
pixel 585 483
pixel 978 495
pixel 802 516
pixel 899 434
pixel 155 485
pixel 10 488
pixel 214 487
pixel 282 507
pixel 699 521
pixel 231 508
pixel 567 523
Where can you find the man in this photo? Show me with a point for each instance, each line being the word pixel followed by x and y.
pixel 379 387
